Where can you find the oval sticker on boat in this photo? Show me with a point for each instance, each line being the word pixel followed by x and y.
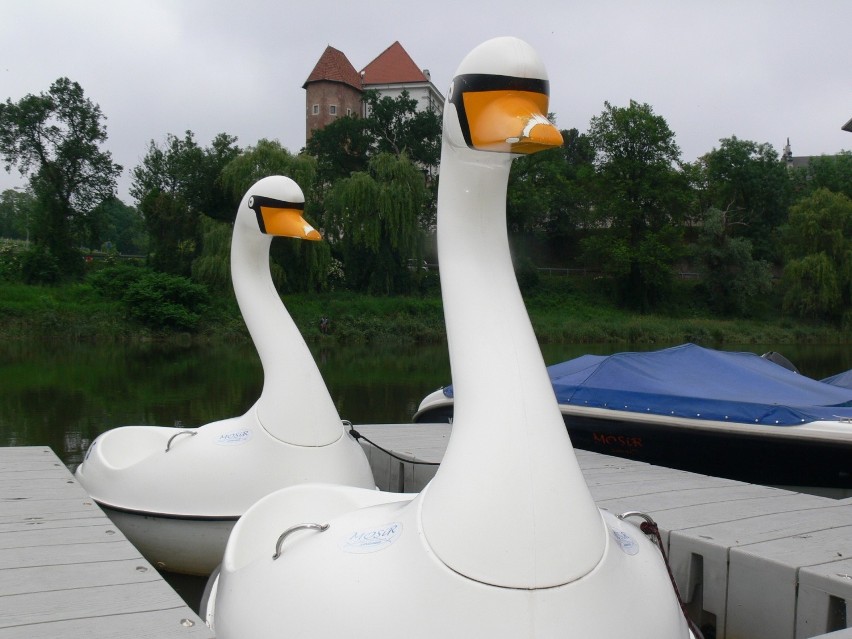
pixel 372 539
pixel 234 437
pixel 625 541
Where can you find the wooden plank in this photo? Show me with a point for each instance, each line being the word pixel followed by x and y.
pixel 46 488
pixel 86 575
pixel 67 554
pixel 684 517
pixel 104 531
pixel 67 520
pixel 81 603
pixel 35 468
pixel 23 509
pixel 21 454
pixel 156 624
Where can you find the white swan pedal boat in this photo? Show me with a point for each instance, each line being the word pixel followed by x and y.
pixel 177 493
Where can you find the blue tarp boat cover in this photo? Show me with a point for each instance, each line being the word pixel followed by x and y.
pixel 843 380
pixel 698 383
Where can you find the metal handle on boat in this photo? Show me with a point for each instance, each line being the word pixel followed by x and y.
pixel 636 513
pixel 192 433
pixel 292 529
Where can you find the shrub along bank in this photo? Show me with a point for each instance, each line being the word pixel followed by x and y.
pixel 131 303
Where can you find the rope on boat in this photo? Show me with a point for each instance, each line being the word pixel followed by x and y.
pixel 358 436
pixel 650 528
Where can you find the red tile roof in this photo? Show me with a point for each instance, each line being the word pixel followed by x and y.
pixel 333 66
pixel 392 66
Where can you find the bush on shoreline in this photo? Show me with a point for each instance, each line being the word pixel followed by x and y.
pixel 561 311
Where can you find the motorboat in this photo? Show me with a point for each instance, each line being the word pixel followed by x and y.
pixel 176 493
pixel 737 415
pixel 506 540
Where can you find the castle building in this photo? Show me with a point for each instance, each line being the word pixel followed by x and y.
pixel 334 88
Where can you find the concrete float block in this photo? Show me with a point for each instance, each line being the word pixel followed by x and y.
pixel 673 511
pixel 839 634
pixel 699 555
pixel 825 599
pixel 764 579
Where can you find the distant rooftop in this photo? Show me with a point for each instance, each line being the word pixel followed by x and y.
pixel 334 66
pixel 392 66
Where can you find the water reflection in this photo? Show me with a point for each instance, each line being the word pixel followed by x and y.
pixel 63 396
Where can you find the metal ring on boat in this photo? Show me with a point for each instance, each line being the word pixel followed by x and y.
pixel 292 529
pixel 192 433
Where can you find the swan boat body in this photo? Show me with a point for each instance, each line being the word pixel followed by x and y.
pixel 726 414
pixel 177 493
pixel 505 541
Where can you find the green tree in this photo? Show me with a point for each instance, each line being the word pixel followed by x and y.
pixel 397 127
pixel 16 213
pixel 818 242
pixel 174 186
pixel 121 228
pixel 392 126
pixel 54 139
pixel 832 172
pixel 375 215
pixel 341 149
pixel 640 198
pixel 548 202
pixel 751 183
pixel 268 157
pixel 731 278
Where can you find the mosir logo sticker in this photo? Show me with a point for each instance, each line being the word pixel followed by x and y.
pixel 626 542
pixel 372 540
pixel 234 438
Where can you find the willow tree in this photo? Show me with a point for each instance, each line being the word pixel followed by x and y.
pixel 373 221
pixel 818 243
pixel 296 266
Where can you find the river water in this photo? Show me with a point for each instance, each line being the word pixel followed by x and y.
pixel 63 396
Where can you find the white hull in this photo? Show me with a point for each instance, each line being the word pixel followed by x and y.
pixel 188 546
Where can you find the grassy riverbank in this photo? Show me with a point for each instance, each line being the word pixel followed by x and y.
pixel 561 310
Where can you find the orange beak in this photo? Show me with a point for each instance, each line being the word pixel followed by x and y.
pixel 510 121
pixel 278 217
pixel 287 223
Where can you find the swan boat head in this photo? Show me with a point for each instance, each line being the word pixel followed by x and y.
pixel 295 406
pixel 278 205
pixel 510 472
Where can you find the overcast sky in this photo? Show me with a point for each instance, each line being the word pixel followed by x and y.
pixel 763 70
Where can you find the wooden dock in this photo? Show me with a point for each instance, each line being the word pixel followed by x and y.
pixel 66 571
pixel 751 562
